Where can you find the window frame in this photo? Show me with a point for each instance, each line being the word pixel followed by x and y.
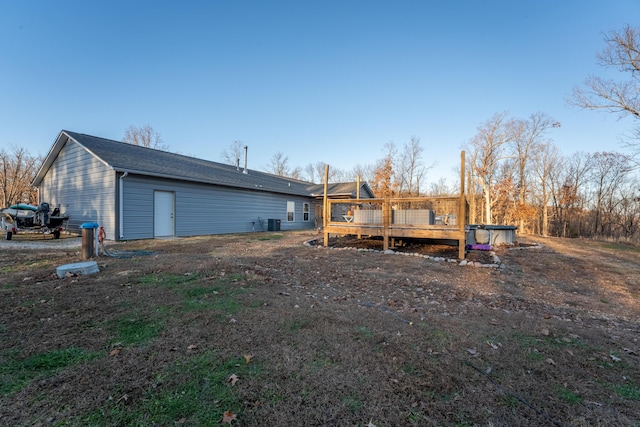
pixel 306 211
pixel 291 213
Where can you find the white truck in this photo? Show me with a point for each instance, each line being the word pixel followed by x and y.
pixel 26 218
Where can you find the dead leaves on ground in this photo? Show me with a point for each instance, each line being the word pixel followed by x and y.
pixel 233 379
pixel 228 417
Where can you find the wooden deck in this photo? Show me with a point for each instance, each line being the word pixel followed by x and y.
pixel 377 217
pixel 389 231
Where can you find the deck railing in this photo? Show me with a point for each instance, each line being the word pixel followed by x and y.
pixel 417 217
pixel 408 217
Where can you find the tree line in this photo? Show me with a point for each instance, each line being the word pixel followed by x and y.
pixel 515 172
pixel 517 175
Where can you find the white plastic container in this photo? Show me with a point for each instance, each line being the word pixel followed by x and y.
pixel 78 268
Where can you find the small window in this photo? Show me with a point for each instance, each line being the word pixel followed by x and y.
pixel 291 211
pixel 306 207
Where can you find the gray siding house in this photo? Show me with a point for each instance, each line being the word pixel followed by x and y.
pixel 140 193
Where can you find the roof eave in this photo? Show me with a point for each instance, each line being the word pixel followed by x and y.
pixel 209 182
pixel 49 158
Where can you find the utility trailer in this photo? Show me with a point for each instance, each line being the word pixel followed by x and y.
pixel 24 218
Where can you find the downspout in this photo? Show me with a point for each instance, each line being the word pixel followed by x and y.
pixel 121 207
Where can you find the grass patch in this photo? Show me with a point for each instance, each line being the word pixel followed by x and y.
pixel 167 280
pixel 441 396
pixel 415 417
pixel 222 299
pixel 567 395
pixel 621 247
pixel 16 373
pixel 535 355
pixel 409 369
pixel 230 278
pixel 547 342
pixel 320 363
pixel 297 324
pixel 271 237
pixel 629 391
pixel 42 263
pixel 193 392
pixel 220 296
pixel 135 330
pixel 510 400
pixel 364 332
pixel 351 402
pixel 539 347
pixel 437 337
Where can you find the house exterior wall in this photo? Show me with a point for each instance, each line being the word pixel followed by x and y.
pixel 202 209
pixel 82 187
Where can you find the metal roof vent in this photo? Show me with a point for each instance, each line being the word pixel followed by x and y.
pixel 245 171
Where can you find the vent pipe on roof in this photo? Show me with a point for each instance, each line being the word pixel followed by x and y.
pixel 245 159
pixel 238 163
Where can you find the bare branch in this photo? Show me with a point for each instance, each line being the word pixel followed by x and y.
pixel 144 136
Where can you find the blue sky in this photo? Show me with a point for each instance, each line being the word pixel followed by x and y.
pixel 329 81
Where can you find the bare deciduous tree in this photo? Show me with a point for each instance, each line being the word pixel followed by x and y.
pixel 144 136
pixel 528 136
pixel 487 151
pixel 608 173
pixel 311 175
pixel 621 53
pixel 278 165
pixel 409 168
pixel 545 164
pixel 233 153
pixel 17 169
pixel 314 172
pixel 569 198
pixel 440 188
pixel 365 172
pixel 295 173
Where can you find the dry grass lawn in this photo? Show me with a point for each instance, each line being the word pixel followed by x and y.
pixel 263 330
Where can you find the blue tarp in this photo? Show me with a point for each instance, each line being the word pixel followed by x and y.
pixel 24 207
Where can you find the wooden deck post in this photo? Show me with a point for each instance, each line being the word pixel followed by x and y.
pixel 358 198
pixel 462 211
pixel 325 206
pixel 386 222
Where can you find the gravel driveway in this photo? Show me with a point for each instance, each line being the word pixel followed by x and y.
pixel 40 242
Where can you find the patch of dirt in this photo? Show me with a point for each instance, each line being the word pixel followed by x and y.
pixel 340 336
pixel 412 246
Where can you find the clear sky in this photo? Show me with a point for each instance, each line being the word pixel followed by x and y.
pixel 329 81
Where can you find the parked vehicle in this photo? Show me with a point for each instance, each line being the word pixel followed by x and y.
pixel 26 218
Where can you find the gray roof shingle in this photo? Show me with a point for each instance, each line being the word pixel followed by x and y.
pixel 134 159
